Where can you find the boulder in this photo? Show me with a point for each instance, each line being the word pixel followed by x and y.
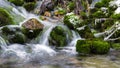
pixel 32 28
pixel 5 17
pixel 47 5
pixel 17 2
pixel 29 6
pixel 92 46
pixel 13 34
pixel 58 37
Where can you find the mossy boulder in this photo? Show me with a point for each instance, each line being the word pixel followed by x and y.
pixel 17 2
pixel 83 47
pixel 71 6
pixel 116 46
pixel 92 47
pixel 30 0
pixel 100 47
pixel 71 20
pixel 58 37
pixel 5 17
pixel 29 6
pixel 85 32
pixel 60 11
pixel 32 28
pixel 13 34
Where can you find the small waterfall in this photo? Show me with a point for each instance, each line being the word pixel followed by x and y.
pixel 45 36
pixel 71 48
pixel 3 44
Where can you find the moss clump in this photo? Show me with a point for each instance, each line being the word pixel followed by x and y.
pixel 83 47
pixel 58 37
pixel 60 11
pixel 71 20
pixel 116 46
pixel 100 47
pixel 17 2
pixel 85 32
pixel 18 38
pixel 71 6
pixel 5 17
pixel 92 46
pixel 29 6
pixel 13 34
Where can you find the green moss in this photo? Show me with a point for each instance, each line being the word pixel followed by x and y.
pixel 17 2
pixel 86 33
pixel 116 16
pixel 116 46
pixel 61 11
pixel 92 46
pixel 5 17
pixel 71 6
pixel 29 6
pixel 71 20
pixel 58 37
pixel 82 47
pixel 100 47
pixel 18 38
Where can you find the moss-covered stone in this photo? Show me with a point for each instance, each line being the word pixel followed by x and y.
pixel 100 47
pixel 29 6
pixel 116 46
pixel 5 17
pixel 32 28
pixel 58 37
pixel 71 6
pixel 82 47
pixel 13 34
pixel 17 2
pixel 60 11
pixel 71 20
pixel 92 46
pixel 85 32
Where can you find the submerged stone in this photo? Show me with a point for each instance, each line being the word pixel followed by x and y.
pixel 58 37
pixel 32 28
pixel 92 46
pixel 13 34
pixel 5 17
pixel 17 2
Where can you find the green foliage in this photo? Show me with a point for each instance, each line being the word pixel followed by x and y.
pixel 71 6
pixel 5 17
pixel 71 20
pixel 92 46
pixel 29 6
pixel 17 2
pixel 61 11
pixel 58 37
pixel 116 16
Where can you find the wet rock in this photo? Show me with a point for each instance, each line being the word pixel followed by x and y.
pixel 32 28
pixel 47 5
pixel 5 17
pixel 71 20
pixel 92 46
pixel 29 6
pixel 17 2
pixel 58 37
pixel 13 34
pixel 85 32
pixel 30 0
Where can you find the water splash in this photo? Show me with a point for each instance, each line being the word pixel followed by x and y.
pixel 3 44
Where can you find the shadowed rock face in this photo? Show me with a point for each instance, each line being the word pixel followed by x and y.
pixel 46 6
pixel 32 28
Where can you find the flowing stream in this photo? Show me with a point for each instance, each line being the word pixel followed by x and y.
pixel 41 55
